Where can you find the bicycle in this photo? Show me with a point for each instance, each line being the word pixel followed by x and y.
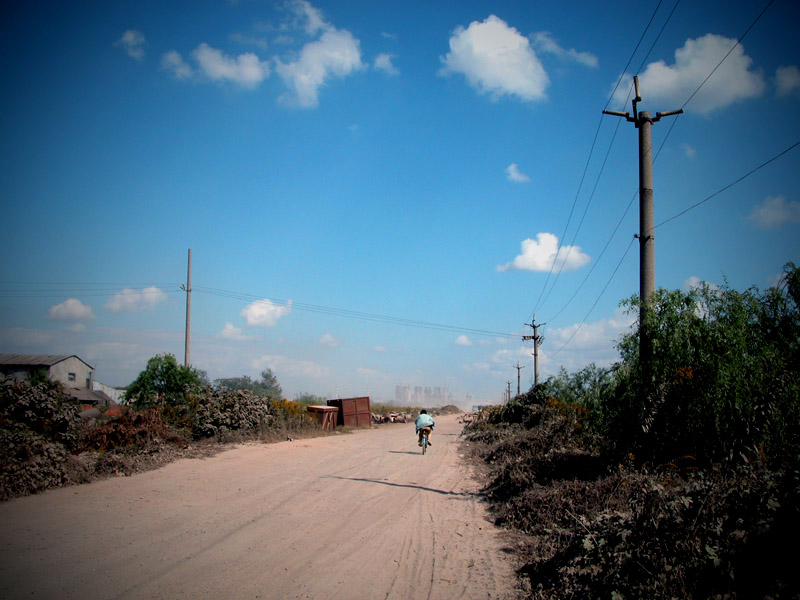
pixel 424 442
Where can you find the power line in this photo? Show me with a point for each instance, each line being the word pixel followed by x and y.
pixel 727 187
pixel 575 331
pixel 669 132
pixel 353 314
pixel 591 152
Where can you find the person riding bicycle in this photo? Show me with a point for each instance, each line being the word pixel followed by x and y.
pixel 425 425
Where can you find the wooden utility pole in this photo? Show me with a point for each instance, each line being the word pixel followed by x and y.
pixel 518 368
pixel 647 277
pixel 188 289
pixel 537 340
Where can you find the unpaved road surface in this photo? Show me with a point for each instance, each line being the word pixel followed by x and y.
pixel 356 516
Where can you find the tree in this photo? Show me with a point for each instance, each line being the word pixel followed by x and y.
pixel 267 386
pixel 164 381
pixel 723 379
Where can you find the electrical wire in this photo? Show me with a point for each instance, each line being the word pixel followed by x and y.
pixel 541 300
pixel 600 295
pixel 727 187
pixel 342 312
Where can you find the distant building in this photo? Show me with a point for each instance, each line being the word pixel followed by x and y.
pixel 75 375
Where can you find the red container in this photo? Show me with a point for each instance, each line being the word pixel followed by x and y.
pixel 326 415
pixel 353 412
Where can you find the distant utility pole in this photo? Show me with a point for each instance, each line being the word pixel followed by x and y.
pixel 518 368
pixel 647 277
pixel 537 341
pixel 188 289
pixel 508 392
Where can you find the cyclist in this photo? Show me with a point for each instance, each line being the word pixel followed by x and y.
pixel 424 424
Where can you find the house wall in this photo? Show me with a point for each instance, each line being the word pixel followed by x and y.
pixel 83 372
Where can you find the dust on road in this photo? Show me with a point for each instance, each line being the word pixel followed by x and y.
pixel 348 516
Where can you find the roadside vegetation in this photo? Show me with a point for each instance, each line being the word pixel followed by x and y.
pixel 678 481
pixel 173 412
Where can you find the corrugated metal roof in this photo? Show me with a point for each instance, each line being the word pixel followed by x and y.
pixel 37 360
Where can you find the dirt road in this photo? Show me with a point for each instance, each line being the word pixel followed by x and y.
pixel 360 516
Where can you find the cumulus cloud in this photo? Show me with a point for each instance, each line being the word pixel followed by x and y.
pixel 775 212
pixel 695 282
pixel 328 340
pixel 133 42
pixel 129 300
pixel 688 150
pixel 669 86
pixel 543 252
pixel 514 174
pixel 787 81
pixel 233 333
pixel 71 309
pixel 496 60
pixel 463 340
pixel 249 40
pixel 265 313
pixel 544 42
pixel 576 345
pixel 246 70
pixel 335 54
pixel 383 62
pixel 173 62
pixel 312 17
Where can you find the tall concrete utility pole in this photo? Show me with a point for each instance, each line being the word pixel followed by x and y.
pixel 508 392
pixel 537 340
pixel 647 269
pixel 518 368
pixel 188 289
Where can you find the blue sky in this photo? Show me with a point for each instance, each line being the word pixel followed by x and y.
pixel 380 193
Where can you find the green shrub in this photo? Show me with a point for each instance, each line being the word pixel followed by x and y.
pixel 723 379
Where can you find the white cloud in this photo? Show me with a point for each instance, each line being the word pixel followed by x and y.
pixel 265 313
pixel 688 150
pixel 774 212
pixel 496 60
pixel 585 343
pixel 463 340
pixel 669 86
pixel 328 340
pixel 71 309
pixel 288 367
pixel 695 282
pixel 542 253
pixel 787 81
pixel 132 300
pixel 133 42
pixel 231 332
pixel 380 349
pixel 544 42
pixel 514 174
pixel 173 62
pixel 314 21
pixel 249 40
pixel 245 70
pixel 383 62
pixel 336 54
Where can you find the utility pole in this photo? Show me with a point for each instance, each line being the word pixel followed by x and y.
pixel 188 289
pixel 647 278
pixel 518 368
pixel 537 340
pixel 508 393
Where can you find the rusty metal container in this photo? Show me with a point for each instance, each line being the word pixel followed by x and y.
pixel 326 415
pixel 353 412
